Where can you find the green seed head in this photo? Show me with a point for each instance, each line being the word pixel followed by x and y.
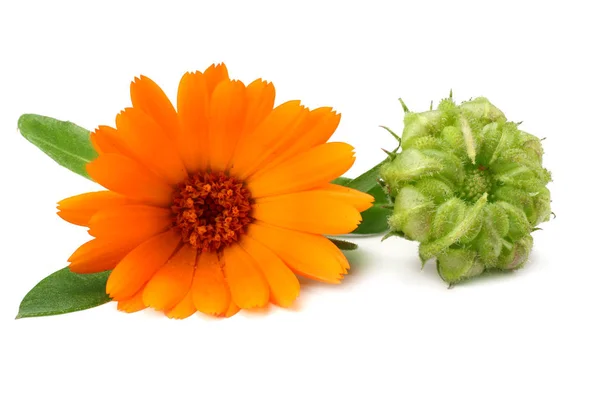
pixel 477 182
pixel 469 186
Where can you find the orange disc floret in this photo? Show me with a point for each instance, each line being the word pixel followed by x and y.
pixel 211 210
pixel 217 204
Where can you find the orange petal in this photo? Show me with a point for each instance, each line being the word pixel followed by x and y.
pixel 307 170
pixel 313 256
pixel 183 309
pixel 147 96
pixel 318 127
pixel 192 110
pixel 311 211
pixel 172 282
pixel 125 176
pixel 214 75
pixel 103 140
pixel 231 310
pixel 99 255
pixel 360 200
pixel 141 264
pixel 249 289
pixel 79 209
pixel 209 289
pixel 254 148
pixel 109 140
pixel 132 304
pixel 227 114
pixel 283 284
pixel 130 222
pixel 150 145
pixel 260 97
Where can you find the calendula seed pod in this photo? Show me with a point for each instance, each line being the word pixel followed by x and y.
pixel 469 186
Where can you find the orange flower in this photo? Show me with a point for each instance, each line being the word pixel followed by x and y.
pixel 216 206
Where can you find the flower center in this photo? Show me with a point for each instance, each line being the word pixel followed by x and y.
pixel 477 182
pixel 211 210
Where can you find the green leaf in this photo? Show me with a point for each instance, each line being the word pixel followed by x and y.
pixel 368 180
pixel 375 220
pixel 342 180
pixel 344 245
pixel 380 195
pixel 64 292
pixel 66 143
pixel 376 191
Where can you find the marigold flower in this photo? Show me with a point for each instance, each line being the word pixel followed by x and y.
pixel 217 205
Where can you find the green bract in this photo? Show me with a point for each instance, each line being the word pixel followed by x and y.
pixel 469 186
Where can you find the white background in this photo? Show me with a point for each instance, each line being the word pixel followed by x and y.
pixel 390 330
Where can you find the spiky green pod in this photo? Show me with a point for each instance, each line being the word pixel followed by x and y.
pixel 469 186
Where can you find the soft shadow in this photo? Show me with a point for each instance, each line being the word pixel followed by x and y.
pixel 498 275
pixel 259 312
pixel 429 269
pixel 250 313
pixel 358 260
pixel 494 275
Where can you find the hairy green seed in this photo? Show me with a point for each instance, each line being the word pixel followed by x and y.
pixel 469 186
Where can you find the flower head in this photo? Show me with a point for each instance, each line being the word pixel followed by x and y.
pixel 469 186
pixel 216 205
